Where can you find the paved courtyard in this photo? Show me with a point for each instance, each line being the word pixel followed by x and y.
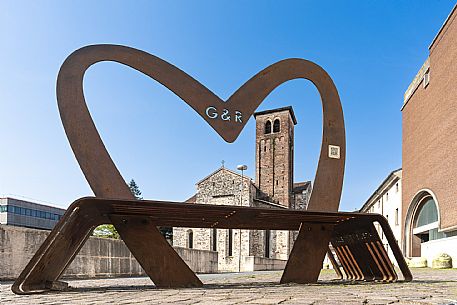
pixel 429 287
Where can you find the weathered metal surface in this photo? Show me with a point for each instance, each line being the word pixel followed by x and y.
pixel 133 219
pixel 57 286
pixel 105 179
pixel 361 253
pixel 96 163
pixel 310 249
pixel 341 228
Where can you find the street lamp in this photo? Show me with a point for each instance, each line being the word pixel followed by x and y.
pixel 241 168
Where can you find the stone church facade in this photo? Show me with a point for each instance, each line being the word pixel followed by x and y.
pixel 248 250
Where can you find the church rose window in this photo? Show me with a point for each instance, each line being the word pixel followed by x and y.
pixel 276 126
pixel 267 127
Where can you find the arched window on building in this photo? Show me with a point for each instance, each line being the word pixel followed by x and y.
pixel 425 224
pixel 422 223
pixel 190 239
pixel 214 240
pixel 230 243
pixel 276 126
pixel 267 127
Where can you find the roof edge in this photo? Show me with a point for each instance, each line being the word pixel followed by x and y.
pixel 289 108
pixel 383 183
pixel 415 83
pixel 32 201
pixel 435 39
pixel 276 205
pixel 224 168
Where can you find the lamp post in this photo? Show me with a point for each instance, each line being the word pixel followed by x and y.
pixel 241 168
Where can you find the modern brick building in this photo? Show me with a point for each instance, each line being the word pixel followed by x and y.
pixel 429 114
pixel 274 187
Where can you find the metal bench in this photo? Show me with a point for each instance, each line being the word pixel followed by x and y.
pixel 352 235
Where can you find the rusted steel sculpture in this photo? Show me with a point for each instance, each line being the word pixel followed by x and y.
pixel 353 236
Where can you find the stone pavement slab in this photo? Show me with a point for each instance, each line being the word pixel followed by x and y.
pixel 429 287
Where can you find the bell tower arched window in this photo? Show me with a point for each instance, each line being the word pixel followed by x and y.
pixel 267 127
pixel 276 126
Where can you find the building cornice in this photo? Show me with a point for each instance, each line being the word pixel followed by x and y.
pixel 393 177
pixel 288 108
pixel 416 82
pixel 426 66
pixel 441 32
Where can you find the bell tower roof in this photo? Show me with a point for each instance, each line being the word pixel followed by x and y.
pixel 288 108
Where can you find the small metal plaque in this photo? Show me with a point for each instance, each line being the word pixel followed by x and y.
pixel 333 151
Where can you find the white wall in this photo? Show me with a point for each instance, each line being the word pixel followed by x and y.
pixel 433 248
pixel 255 263
pixel 3 218
pixel 392 211
pixel 387 203
pixel 99 257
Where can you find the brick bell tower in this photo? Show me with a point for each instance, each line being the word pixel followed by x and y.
pixel 275 153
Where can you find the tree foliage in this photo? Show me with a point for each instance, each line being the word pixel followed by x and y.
pixel 135 190
pixel 108 230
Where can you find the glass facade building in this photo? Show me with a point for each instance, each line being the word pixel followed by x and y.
pixel 23 213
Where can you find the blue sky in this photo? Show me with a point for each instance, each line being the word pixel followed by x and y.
pixel 371 49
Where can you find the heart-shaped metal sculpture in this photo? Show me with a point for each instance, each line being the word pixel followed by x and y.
pixel 106 181
pixel 156 256
pixel 353 235
pixel 96 163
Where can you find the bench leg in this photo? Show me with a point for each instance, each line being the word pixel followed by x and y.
pixel 335 265
pixel 395 249
pixel 361 252
pixel 159 260
pixel 308 253
pixel 57 251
